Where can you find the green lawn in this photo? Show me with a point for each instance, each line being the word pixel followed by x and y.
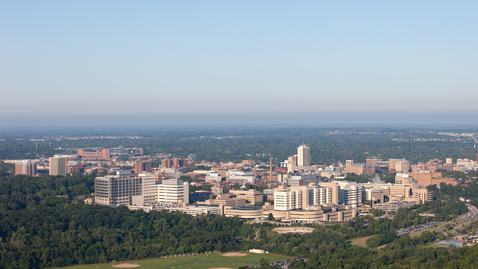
pixel 361 241
pixel 193 262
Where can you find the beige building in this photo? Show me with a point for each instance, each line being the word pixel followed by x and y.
pixel 251 196
pixel 399 165
pixel 402 178
pixel 173 191
pixel 422 195
pixel 334 191
pixel 407 192
pixel 302 197
pixel 225 199
pixel 58 166
pixel 312 215
pixel 291 165
pixel 124 189
pixel 303 156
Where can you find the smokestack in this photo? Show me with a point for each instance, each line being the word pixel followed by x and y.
pixel 255 173
pixel 270 169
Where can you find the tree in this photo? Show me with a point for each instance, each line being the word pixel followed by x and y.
pixel 264 263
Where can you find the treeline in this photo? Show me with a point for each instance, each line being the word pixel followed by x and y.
pixel 236 145
pixel 468 190
pixel 39 230
pixel 16 192
pixel 408 253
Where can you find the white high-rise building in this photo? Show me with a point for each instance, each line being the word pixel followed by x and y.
pixel 287 200
pixel 320 196
pixel 303 156
pixel 124 189
pixel 301 197
pixel 290 165
pixel 173 191
pixel 350 193
pixel 58 166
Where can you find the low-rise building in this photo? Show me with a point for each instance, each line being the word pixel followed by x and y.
pixel 240 177
pixel 213 176
pixel 251 196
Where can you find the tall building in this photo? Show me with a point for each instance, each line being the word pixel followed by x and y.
pixel 334 189
pixel 301 197
pixel 350 194
pixel 124 189
pixel 140 167
pixel 287 200
pixel 58 166
pixel 303 156
pixel 291 165
pixel 399 165
pixel 176 162
pixel 25 167
pixel 173 191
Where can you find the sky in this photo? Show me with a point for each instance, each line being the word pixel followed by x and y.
pixel 217 62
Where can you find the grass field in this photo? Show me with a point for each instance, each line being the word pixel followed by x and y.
pixel 361 241
pixel 193 262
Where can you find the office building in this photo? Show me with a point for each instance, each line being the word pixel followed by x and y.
pixel 58 166
pixel 140 167
pixel 303 156
pixel 302 197
pixel 251 196
pixel 125 189
pixel 320 196
pixel 287 200
pixel 25 167
pixel 467 164
pixel 175 162
pixel 426 178
pixel 359 168
pixel 350 194
pixel 399 165
pixel 173 191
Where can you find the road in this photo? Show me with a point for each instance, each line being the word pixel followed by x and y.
pixel 471 216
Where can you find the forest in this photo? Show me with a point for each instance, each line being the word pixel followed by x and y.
pixel 326 145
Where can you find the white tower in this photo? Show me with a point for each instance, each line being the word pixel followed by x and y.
pixel 303 156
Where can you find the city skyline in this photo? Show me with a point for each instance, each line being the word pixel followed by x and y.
pixel 217 63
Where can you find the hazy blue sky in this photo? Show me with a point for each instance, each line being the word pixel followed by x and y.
pixel 292 60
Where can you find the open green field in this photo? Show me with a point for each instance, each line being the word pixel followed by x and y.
pixel 201 261
pixel 360 241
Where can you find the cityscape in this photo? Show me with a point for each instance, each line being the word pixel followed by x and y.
pixel 238 134
pixel 289 196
